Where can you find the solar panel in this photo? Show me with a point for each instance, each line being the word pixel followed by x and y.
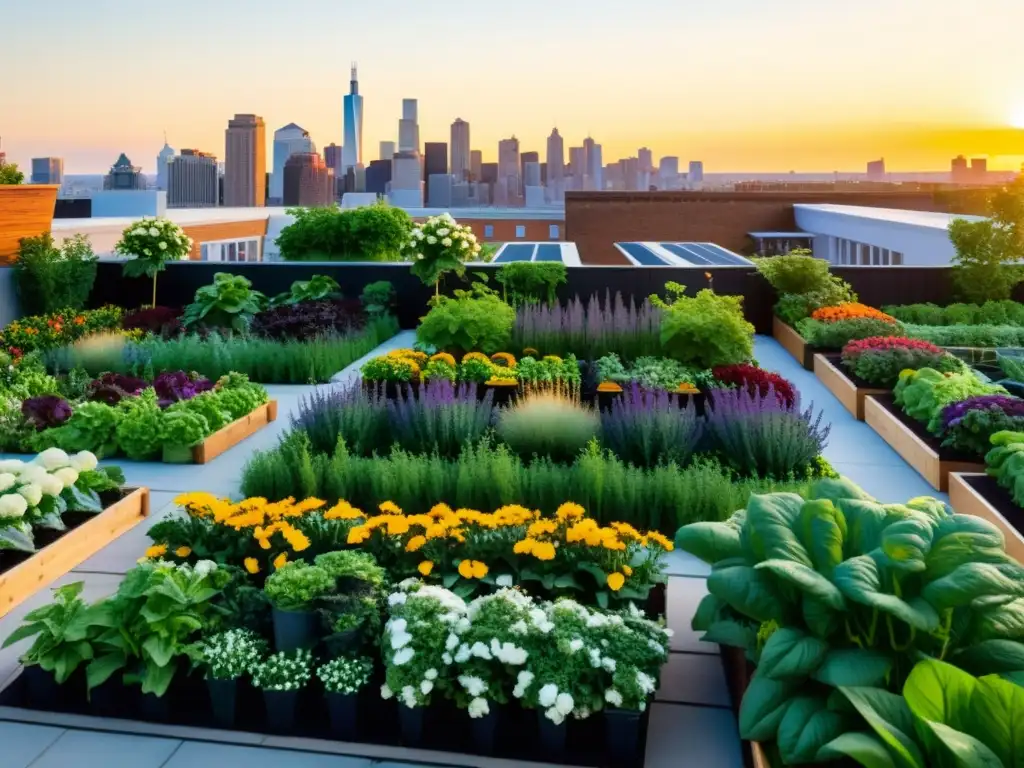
pixel 685 252
pixel 515 252
pixel 701 254
pixel 548 252
pixel 642 254
pixel 726 256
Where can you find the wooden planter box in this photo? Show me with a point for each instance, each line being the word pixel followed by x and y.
pixel 919 450
pixel 829 371
pixel 793 343
pixel 234 433
pixel 72 549
pixel 26 210
pixel 979 495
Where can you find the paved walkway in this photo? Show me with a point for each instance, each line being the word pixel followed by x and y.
pixel 691 724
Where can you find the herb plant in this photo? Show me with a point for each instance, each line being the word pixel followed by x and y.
pixel 284 671
pixel 475 319
pixel 317 288
pixel 529 282
pixel 706 330
pixel 296 586
pixel 61 631
pixel 229 655
pixel 345 675
pixel 229 303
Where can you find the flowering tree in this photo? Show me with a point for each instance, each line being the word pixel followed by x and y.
pixel 440 245
pixel 149 244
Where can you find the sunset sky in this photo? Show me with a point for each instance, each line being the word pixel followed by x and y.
pixel 745 85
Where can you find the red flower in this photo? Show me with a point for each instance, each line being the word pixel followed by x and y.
pixel 756 380
pixel 883 343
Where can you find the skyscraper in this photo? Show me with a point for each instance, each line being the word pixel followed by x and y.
pixel 290 140
pixel 460 149
pixel 333 157
pixel 526 158
pixel 407 180
pixel 509 185
pixel 595 164
pixel 124 176
pixel 47 170
pixel 435 163
pixel 578 167
pixel 378 176
pixel 876 170
pixel 668 173
pixel 308 182
pixel 476 164
pixel 352 148
pixel 696 173
pixel 556 157
pixel 408 127
pixel 245 162
pixel 192 180
pixel 646 158
pixel 387 150
pixel 162 159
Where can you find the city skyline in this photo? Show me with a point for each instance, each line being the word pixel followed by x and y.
pixel 743 86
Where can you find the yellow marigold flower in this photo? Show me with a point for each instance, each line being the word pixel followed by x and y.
pixel 397 526
pixel 306 505
pixel 264 543
pixel 245 520
pixel 343 511
pixel 476 356
pixel 389 507
pixel 415 543
pixel 466 569
pixel 541 527
pixel 183 551
pixel 552 359
pixel 613 544
pixel 252 565
pixel 660 540
pixel 505 359
pixel 456 533
pixel 501 381
pixel 196 502
pixel 443 357
pixel 570 511
pixel 157 550
pixel 281 560
pixel 358 535
pixel 615 581
pixel 479 569
pixel 440 510
pixel 594 538
pixel 436 531
pixel 544 550
pixel 626 531
pixel 297 539
pixel 425 567
pixel 524 547
pixel 627 570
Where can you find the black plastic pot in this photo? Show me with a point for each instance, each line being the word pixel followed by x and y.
pixel 622 731
pixel 294 629
pixel 344 712
pixel 109 698
pixel 551 738
pixel 282 708
pixel 153 708
pixel 41 690
pixel 410 721
pixel 223 701
pixel 483 731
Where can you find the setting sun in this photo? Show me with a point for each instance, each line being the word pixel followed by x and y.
pixel 1017 118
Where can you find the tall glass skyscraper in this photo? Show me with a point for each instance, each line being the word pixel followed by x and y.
pixel 352 147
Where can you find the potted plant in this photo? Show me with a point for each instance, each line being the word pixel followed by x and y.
pixel 26 210
pixel 149 244
pixel 343 678
pixel 353 603
pixel 224 659
pixel 392 372
pixel 179 432
pixel 293 590
pixel 282 677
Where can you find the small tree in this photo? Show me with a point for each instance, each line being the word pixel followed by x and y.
pixel 149 244
pixel 985 266
pixel 9 174
pixel 440 245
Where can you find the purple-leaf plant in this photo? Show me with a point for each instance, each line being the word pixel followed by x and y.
pixel 648 427
pixel 45 411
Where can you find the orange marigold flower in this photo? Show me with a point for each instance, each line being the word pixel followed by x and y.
pixel 615 581
pixel 608 386
pixel 541 527
pixel 443 357
pixel 358 535
pixel 530 352
pixel 157 550
pixel 850 310
pixel 415 543
pixel 466 569
pixel 281 560
pixel 343 511
pixel 660 540
pixel 425 568
pixel 252 565
pixel 524 547
pixel 435 531
pixel 627 570
pixel 544 550
pixel 296 539
pixel 183 551
pixel 504 359
pixel 479 569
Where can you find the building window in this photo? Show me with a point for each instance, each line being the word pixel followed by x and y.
pixel 488 231
pixel 553 233
pixel 231 250
pixel 897 257
pixel 520 230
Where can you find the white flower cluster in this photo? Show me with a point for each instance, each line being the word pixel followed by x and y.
pixel 439 234
pixel 231 654
pixel 155 236
pixel 24 485
pixel 346 674
pixel 284 671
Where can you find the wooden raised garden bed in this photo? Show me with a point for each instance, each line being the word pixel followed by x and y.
pixel 981 496
pixel 911 440
pixel 234 433
pixel 849 392
pixel 72 548
pixel 793 343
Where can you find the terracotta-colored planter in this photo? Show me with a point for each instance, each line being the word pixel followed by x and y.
pixel 793 343
pixel 848 392
pixel 979 495
pixel 26 210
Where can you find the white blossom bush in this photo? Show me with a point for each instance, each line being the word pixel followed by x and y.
pixel 345 675
pixel 149 244
pixel 440 245
pixel 229 655
pixel 284 671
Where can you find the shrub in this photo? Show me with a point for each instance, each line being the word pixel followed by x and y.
pixel 307 320
pixel 988 252
pixel 474 320
pixel 440 245
pixel 46 332
pixel 761 435
pixel 803 284
pixel 548 426
pixel 378 298
pixel 1005 312
pixel 880 359
pixel 317 288
pixel 755 381
pixel 370 233
pixel 968 335
pixel 530 282
pixel 968 425
pixel 296 586
pixel 646 428
pixel 924 393
pixel 9 174
pixel 49 279
pixel 229 303
pixel 706 330
pixel 149 244
pixel 836 335
pixel 849 311
pixel 159 321
pixel 390 368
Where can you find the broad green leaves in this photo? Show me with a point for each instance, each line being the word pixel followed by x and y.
pixel 860 579
pixel 940 693
pixel 749 591
pixel 853 667
pixel 791 653
pixel 763 706
pixel 710 542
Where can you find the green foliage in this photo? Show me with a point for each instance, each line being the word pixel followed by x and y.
pixel 389 368
pixel 210 406
pixel 317 288
pixel 706 330
pixel 548 426
pixel 1005 312
pixel 836 335
pixel 229 304
pixel 968 335
pixel 295 586
pixel 531 282
pixel 439 369
pixel 50 279
pixel 182 428
pixel 378 298
pixel 922 394
pixel 840 592
pixel 438 246
pixel 26 379
pixel 972 432
pixel 9 174
pixel 347 564
pixel 803 284
pixel 550 369
pixel 149 244
pixel 476 319
pixel 883 368
pixel 650 372
pixel 139 428
pixel 1005 462
pixel 988 252
pixel 60 629
pixel 371 233
pixel 92 427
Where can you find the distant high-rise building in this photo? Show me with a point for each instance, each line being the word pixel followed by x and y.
pixel 460 165
pixel 578 167
pixel 407 180
pixel 124 176
pixel 245 162
pixel 646 158
pixel 435 163
pixel 696 173
pixel 408 127
pixel 47 170
pixel 959 172
pixel 290 140
pixel 595 166
pixel 308 182
pixel 334 158
pixel 509 185
pixel 387 150
pixel 531 173
pixel 378 176
pixel 876 170
pixel 556 157
pixel 631 173
pixel 979 169
pixel 439 190
pixel 668 173
pixel 489 173
pixel 476 163
pixel 524 158
pixel 162 159
pixel 192 180
pixel 589 175
pixel 352 147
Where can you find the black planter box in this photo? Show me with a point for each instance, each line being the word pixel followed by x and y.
pixel 223 702
pixel 294 629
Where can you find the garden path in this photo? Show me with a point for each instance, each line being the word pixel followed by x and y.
pixel 691 726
